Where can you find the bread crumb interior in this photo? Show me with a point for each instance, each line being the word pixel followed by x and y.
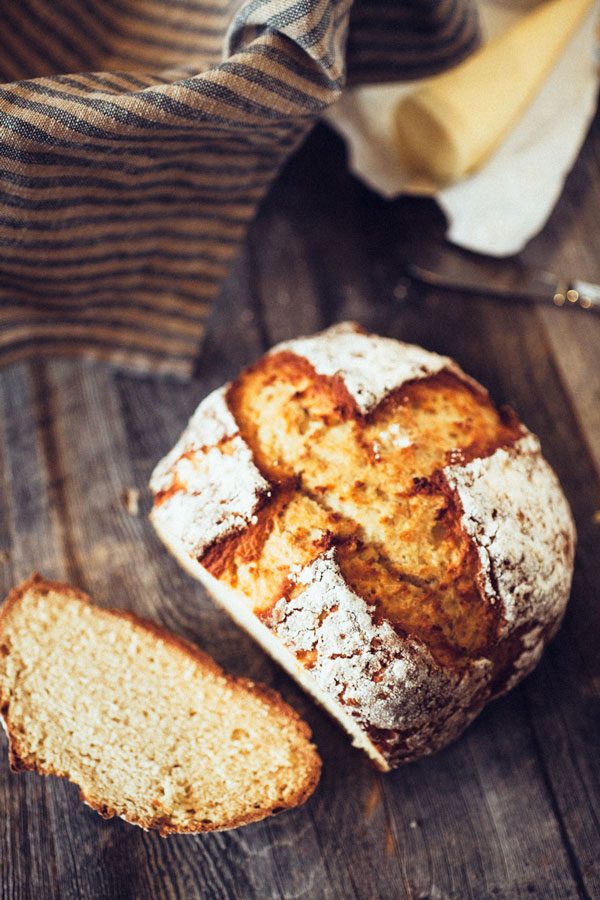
pixel 143 727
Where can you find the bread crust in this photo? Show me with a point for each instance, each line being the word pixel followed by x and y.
pixel 17 755
pixel 408 700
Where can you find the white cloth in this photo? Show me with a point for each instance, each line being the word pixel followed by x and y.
pixel 503 205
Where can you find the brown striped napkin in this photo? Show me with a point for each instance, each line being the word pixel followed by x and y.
pixel 127 183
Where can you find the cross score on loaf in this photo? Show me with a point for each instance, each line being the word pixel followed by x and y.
pixel 398 544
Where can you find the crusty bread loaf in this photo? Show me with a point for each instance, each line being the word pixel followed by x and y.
pixel 361 507
pixel 150 728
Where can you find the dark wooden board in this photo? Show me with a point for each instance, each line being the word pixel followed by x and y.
pixel 509 811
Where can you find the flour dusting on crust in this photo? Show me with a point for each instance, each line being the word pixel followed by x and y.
pixel 211 423
pixel 520 521
pixel 211 483
pixel 385 681
pixel 370 366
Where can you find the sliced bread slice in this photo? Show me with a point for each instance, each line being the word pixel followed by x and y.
pixel 149 727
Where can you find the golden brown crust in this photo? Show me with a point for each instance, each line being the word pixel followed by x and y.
pixel 19 763
pixel 287 365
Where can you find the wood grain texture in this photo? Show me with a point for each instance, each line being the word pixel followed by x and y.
pixel 509 811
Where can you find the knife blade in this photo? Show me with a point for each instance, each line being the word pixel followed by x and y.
pixel 512 281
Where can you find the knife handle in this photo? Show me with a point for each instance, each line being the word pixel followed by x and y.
pixel 549 289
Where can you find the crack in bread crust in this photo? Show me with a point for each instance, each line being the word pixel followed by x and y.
pixel 381 495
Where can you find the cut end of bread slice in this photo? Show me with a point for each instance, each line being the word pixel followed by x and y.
pixel 148 726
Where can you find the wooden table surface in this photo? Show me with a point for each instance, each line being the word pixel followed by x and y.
pixel 513 808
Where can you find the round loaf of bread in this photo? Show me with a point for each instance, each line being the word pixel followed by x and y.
pixel 396 542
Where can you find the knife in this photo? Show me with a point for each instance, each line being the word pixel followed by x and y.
pixel 513 281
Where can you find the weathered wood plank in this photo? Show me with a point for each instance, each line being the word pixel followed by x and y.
pixel 36 540
pixel 563 694
pixel 30 847
pixel 568 730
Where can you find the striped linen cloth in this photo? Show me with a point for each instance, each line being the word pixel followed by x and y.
pixel 127 184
